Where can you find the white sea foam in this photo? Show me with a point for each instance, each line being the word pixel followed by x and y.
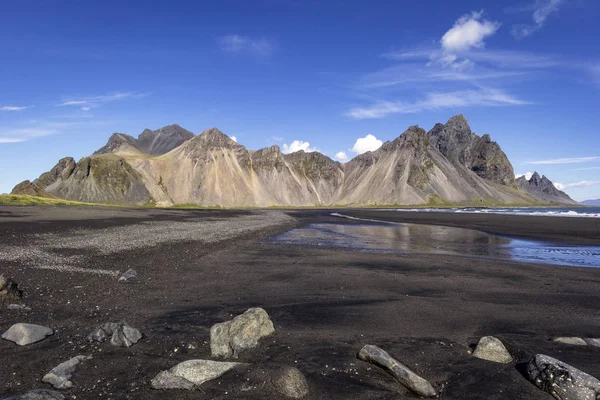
pixel 511 211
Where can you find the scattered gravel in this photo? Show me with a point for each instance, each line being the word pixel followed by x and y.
pixel 46 250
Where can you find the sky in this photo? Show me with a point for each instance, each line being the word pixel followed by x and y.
pixel 340 77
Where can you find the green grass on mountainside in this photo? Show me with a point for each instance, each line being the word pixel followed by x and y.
pixel 25 200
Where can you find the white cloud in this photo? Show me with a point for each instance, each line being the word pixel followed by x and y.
pixel 13 108
pixel 468 32
pixel 542 10
pixel 233 138
pixel 367 143
pixel 341 156
pixel 585 169
pixel 238 44
pixel 9 135
pixel 561 186
pixel 298 145
pixel 277 138
pixel 94 101
pixel 527 175
pixel 565 160
pixel 436 101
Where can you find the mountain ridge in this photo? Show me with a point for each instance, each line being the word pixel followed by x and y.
pixel 542 188
pixel 450 164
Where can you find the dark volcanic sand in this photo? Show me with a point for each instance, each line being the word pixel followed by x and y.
pixel 426 310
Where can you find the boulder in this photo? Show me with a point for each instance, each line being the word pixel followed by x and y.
pixel 229 338
pixel 128 275
pixel 491 349
pixel 37 394
pixel 120 334
pixel 561 380
pixel 290 383
pixel 577 341
pixel 191 373
pixel 592 342
pixel 24 334
pixel 9 289
pixel 59 376
pixel 402 373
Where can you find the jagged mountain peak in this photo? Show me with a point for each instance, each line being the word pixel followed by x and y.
pixel 153 142
pixel 213 137
pixel 459 122
pixel 543 189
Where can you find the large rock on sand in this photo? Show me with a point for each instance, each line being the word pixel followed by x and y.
pixel 37 394
pixel 491 349
pixel 192 373
pixel 229 338
pixel 59 376
pixel 24 334
pixel 290 382
pixel 561 380
pixel 402 373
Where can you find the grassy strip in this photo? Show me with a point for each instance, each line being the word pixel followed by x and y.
pixel 25 200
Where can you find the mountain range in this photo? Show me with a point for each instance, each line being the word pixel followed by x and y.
pixel 595 202
pixel 171 165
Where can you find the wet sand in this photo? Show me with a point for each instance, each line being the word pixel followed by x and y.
pixel 427 310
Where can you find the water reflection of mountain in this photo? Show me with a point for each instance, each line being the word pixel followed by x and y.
pixel 399 237
pixel 415 238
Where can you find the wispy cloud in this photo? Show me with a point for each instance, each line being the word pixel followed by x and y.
pixel 9 135
pixel 237 44
pixel 277 138
pixel 563 186
pixel 12 108
pixel 88 102
pixel 541 11
pixel 436 101
pixel 574 160
pixel 585 169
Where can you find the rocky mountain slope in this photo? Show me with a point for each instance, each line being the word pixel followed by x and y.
pixel 543 189
pixel 168 166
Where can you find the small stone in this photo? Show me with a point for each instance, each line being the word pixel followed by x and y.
pixel 120 334
pixel 290 383
pixel 576 341
pixel 402 373
pixel 9 289
pixel 59 376
pixel 128 275
pixel 37 394
pixel 18 307
pixel 194 372
pixel 243 332
pixel 561 380
pixel 24 334
pixel 491 349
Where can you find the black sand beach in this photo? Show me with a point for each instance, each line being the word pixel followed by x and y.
pixel 197 268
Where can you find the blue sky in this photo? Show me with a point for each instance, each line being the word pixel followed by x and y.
pixel 337 76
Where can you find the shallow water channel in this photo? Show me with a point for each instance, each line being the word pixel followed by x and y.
pixel 416 238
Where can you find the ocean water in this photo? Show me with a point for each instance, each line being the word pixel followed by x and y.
pixel 581 212
pixel 369 236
